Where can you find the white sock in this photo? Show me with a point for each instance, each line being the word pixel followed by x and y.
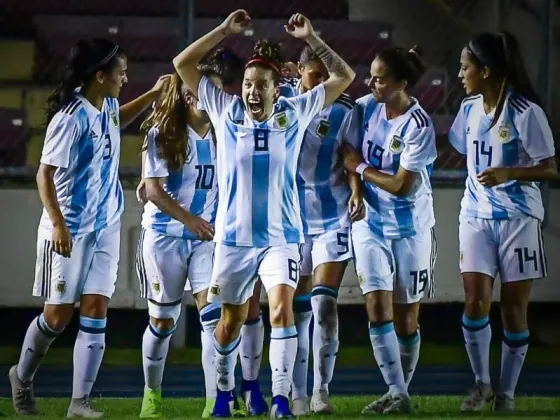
pixel 325 335
pixel 88 354
pixel 514 350
pixel 386 351
pixel 477 335
pixel 302 315
pixel 38 338
pixel 252 341
pixel 226 359
pixel 155 346
pixel 282 356
pixel 209 317
pixel 410 352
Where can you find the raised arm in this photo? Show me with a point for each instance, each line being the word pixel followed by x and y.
pixel 186 63
pixel 131 110
pixel 341 74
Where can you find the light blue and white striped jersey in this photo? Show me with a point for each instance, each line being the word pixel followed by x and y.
pixel 322 182
pixel 194 186
pixel 258 203
pixel 520 138
pixel 407 141
pixel 85 145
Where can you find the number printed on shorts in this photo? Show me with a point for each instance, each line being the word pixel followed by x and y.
pixel 293 270
pixel 524 256
pixel 420 281
pixel 342 240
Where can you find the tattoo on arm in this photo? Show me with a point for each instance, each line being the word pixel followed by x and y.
pixel 332 61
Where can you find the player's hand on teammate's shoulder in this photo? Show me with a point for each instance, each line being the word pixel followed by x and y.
pixel 236 22
pixel 200 228
pixel 62 240
pixel 299 26
pixel 351 158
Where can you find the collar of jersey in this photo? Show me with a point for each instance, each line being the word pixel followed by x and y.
pixel 88 106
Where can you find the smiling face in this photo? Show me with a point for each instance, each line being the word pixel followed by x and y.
pixel 112 81
pixel 259 92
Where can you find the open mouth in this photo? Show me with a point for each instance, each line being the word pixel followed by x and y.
pixel 255 106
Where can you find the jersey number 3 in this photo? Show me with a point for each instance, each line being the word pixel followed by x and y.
pixel 107 148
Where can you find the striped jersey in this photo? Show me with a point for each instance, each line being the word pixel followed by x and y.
pixel 322 182
pixel 521 137
pixel 84 145
pixel 194 186
pixel 408 141
pixel 258 203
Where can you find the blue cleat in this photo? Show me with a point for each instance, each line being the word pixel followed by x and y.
pixel 280 408
pixel 253 398
pixel 227 406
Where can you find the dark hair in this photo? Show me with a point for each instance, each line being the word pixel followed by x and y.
pixel 224 64
pixel 268 56
pixel 501 53
pixel 404 64
pixel 307 55
pixel 85 59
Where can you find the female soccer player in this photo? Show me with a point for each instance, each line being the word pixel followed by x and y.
pixel 79 232
pixel 325 199
pixel 395 246
pixel 176 239
pixel 505 134
pixel 259 226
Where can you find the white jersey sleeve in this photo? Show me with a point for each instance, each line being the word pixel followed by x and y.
pixel 458 131
pixel 213 99
pixel 308 105
pixel 535 133
pixel 419 150
pixel 62 132
pixel 155 166
pixel 351 128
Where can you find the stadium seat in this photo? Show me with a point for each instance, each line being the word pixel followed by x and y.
pixel 13 137
pixel 17 60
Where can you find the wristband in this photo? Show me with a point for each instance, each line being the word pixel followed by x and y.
pixel 361 168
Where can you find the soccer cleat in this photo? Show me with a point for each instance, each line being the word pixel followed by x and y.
pixel 226 405
pixel 81 407
pixel 208 408
pixel 152 405
pixel 477 397
pixel 280 408
pixel 504 404
pixel 378 406
pixel 300 406
pixel 399 404
pixel 320 403
pixel 253 398
pixel 23 396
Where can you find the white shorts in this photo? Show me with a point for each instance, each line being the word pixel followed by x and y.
pixel 90 270
pixel 331 246
pixel 164 263
pixel 514 248
pixel 236 269
pixel 404 266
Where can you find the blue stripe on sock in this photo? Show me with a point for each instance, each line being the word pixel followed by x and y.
pixel 254 321
pixel 302 304
pixel 210 312
pixel 227 349
pixel 381 329
pixel 283 333
pixel 93 325
pixel 44 327
pixel 158 332
pixel 324 290
pixel 410 340
pixel 519 336
pixel 475 323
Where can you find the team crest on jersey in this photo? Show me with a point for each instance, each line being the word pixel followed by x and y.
pixel 323 128
pixel 396 145
pixel 60 287
pixel 155 287
pixel 115 119
pixel 281 120
pixel 503 133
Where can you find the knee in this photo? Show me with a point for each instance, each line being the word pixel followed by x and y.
pixel 514 316
pixel 476 307
pixel 281 314
pixel 231 323
pixel 379 307
pixel 164 325
pixel 94 306
pixel 406 327
pixel 58 317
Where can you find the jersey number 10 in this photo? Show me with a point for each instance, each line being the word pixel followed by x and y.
pixel 205 177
